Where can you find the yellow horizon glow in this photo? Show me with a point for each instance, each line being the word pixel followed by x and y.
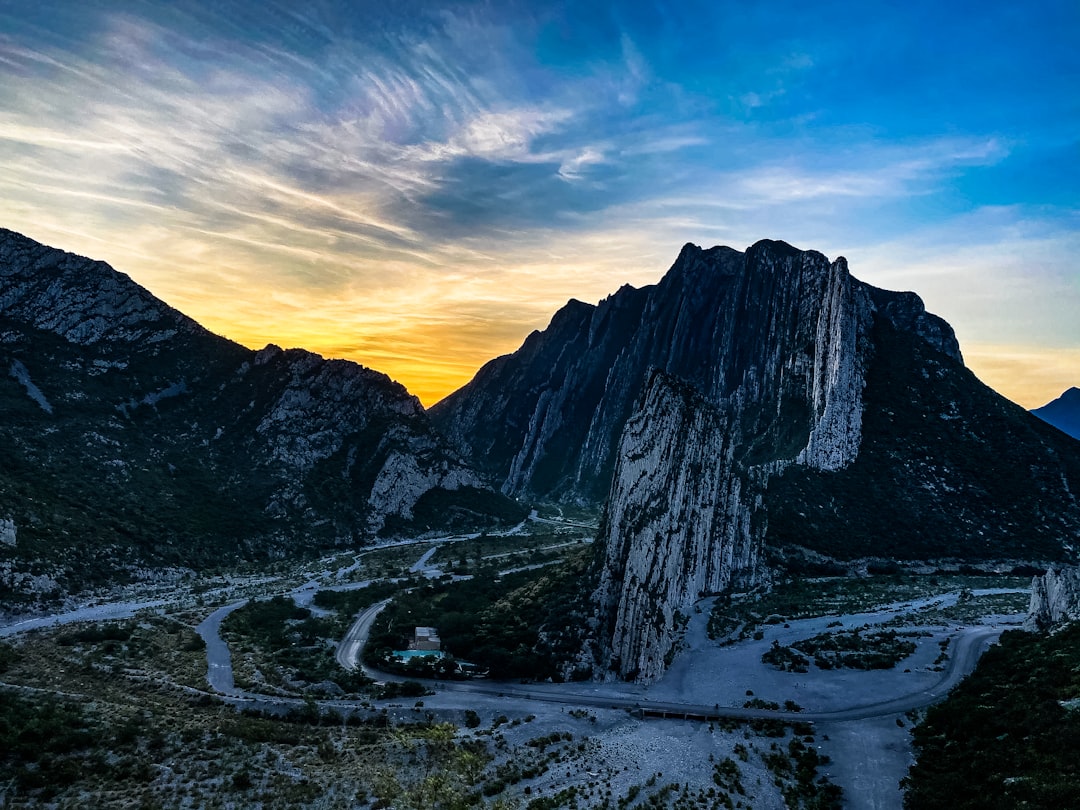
pixel 1030 376
pixel 434 331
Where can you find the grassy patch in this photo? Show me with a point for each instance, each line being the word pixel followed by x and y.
pixel 521 625
pixel 851 649
pixel 276 643
pixel 84 727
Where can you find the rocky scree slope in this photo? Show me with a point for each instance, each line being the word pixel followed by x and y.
pixel 134 437
pixel 755 410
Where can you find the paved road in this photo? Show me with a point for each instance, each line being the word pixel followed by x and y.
pixel 93 613
pixel 968 646
pixel 219 672
pixel 348 651
pixel 421 564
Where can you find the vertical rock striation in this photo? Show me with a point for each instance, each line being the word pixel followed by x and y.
pixel 679 401
pixel 679 524
pixel 685 515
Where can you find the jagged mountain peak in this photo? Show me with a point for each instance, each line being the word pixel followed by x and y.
pixel 760 406
pixel 567 392
pixel 907 312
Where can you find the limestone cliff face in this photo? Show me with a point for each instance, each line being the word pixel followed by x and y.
pixel 760 405
pixel 680 524
pixel 685 515
pixel 677 402
pixel 1055 598
pixel 721 320
pixel 316 418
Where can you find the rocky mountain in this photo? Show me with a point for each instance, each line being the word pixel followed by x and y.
pixel 134 437
pixel 1063 413
pixel 760 411
pixel 1055 598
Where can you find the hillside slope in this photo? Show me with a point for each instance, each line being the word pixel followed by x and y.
pixel 133 437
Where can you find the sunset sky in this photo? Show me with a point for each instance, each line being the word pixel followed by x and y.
pixel 418 185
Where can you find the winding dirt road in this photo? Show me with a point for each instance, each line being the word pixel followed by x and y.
pixel 969 644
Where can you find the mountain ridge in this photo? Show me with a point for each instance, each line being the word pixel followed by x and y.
pixel 1063 412
pixel 135 437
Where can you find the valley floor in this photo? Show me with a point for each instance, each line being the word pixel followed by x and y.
pixel 859 738
pixel 869 754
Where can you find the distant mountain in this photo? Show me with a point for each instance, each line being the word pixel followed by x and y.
pixel 132 437
pixel 1063 413
pixel 760 411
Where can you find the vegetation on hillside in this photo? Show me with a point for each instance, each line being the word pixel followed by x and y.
pixel 1009 735
pixel 276 643
pixel 931 481
pixel 860 648
pixel 739 617
pixel 521 625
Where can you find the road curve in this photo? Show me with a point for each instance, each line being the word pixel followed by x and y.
pixel 219 672
pixel 968 645
pixel 348 651
pixel 90 613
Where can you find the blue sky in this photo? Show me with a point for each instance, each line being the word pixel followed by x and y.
pixel 417 185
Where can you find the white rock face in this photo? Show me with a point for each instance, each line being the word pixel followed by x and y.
pixel 8 534
pixel 401 482
pixel 1055 598
pixel 839 373
pixel 326 402
pixel 323 401
pixel 678 525
pixel 685 516
pixel 19 372
pixel 83 301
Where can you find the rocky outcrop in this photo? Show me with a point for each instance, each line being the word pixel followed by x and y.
pixel 685 515
pixel 1055 598
pixel 564 397
pixel 9 536
pixel 134 436
pixel 83 301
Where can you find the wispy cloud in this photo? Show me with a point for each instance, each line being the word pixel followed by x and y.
pixel 419 188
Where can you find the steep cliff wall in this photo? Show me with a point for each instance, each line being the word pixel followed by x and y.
pixel 680 524
pixel 761 405
pixel 684 513
pixel 720 320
